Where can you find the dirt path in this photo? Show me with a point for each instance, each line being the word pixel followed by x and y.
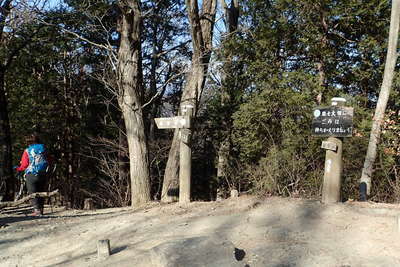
pixel 239 232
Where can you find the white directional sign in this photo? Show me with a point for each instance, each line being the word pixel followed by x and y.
pixel 177 122
pixel 329 145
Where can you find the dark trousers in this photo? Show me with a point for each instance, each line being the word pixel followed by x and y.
pixel 36 183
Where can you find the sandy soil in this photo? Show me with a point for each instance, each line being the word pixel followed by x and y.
pixel 266 232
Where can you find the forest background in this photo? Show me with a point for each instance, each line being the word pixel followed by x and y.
pixel 264 66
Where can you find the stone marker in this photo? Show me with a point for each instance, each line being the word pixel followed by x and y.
pixel 398 223
pixel 334 122
pixel 234 193
pixel 103 249
pixel 219 196
pixel 88 204
pixel 332 183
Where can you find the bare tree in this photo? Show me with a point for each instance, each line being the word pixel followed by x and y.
pixel 113 191
pixel 129 75
pixel 201 29
pixel 391 58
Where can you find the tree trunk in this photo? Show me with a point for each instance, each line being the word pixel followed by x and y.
pixel 201 27
pixel 153 90
pixel 231 13
pixel 68 138
pixel 6 176
pixel 391 59
pixel 170 187
pixel 123 163
pixel 123 166
pixel 321 66
pixel 131 89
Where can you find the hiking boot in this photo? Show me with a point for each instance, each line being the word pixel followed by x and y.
pixel 36 212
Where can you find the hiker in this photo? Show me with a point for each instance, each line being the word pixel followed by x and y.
pixel 35 164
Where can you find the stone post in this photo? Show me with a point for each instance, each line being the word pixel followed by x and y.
pixel 333 165
pixel 103 249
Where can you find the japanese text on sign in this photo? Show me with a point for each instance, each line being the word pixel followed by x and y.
pixel 333 121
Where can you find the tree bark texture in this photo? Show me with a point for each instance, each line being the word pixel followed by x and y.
pixel 201 29
pixel 131 87
pixel 391 59
pixel 123 157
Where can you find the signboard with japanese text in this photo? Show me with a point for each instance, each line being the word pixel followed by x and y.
pixel 333 121
pixel 177 122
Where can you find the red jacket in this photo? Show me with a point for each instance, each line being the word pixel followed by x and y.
pixel 24 163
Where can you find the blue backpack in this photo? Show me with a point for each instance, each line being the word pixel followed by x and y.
pixel 37 159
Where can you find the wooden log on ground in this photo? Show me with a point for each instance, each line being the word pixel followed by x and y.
pixel 28 197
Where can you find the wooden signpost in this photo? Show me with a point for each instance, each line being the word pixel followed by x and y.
pixel 183 123
pixel 333 122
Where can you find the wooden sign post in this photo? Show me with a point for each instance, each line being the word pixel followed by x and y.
pixel 185 158
pixel 333 122
pixel 185 153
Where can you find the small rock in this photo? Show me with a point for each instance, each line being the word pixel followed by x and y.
pixel 234 193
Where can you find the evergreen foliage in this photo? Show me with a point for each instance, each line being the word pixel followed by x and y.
pixel 279 51
pixel 269 75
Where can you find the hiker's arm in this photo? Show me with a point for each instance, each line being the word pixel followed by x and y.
pixel 24 162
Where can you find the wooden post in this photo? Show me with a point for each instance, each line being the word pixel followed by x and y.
pixel 185 158
pixel 333 165
pixel 183 123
